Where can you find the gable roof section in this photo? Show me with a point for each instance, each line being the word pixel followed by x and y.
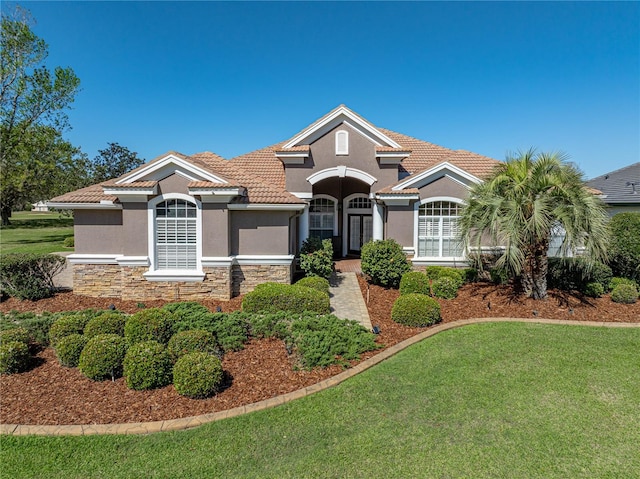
pixel 618 186
pixel 224 174
pixel 335 117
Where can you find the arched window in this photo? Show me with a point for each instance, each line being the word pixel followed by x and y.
pixel 360 202
pixel 438 230
pixel 322 217
pixel 176 235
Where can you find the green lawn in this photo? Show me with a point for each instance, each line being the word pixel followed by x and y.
pixel 32 232
pixel 502 400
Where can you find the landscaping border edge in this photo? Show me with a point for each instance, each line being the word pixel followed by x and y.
pixel 195 421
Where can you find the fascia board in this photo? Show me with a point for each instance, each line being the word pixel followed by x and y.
pixel 84 206
pixel 199 172
pixel 266 206
pixel 436 172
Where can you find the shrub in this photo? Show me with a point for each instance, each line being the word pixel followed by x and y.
pixel 105 323
pixel 416 310
pixel 14 357
pixel 499 275
pixel 197 375
pixel 272 297
pixel 624 250
pixel 271 325
pixel 437 272
pixel 69 242
pixel 414 282
pixel 315 282
pixel 319 262
pixel 384 262
pixel 191 341
pixel 190 315
pixel 617 280
pixel 325 340
pixel 15 334
pixel 66 325
pixel 445 287
pixel 153 324
pixel 310 245
pixel 624 293
pixel 102 357
pixel 470 275
pixel 573 274
pixel 593 290
pixel 147 365
pixel 28 275
pixel 37 324
pixel 231 329
pixel 69 348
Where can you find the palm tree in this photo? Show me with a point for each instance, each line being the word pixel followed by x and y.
pixel 521 202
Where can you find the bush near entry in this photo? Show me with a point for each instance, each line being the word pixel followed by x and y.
pixel 384 262
pixel 273 297
pixel 416 310
pixel 415 282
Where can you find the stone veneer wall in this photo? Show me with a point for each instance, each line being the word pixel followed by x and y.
pixel 246 277
pixel 128 283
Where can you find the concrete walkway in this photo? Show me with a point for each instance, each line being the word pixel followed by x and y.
pixel 346 298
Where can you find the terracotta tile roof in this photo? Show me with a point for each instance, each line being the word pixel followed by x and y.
pixel 406 191
pixel 258 190
pixel 90 194
pixel 391 149
pixel 209 184
pixel 296 148
pixel 264 164
pixel 133 184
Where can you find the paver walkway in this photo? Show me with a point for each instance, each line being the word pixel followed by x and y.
pixel 346 299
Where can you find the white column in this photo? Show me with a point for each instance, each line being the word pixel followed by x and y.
pixel 378 221
pixel 303 226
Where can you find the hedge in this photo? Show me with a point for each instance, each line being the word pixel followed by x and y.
pixel 273 297
pixel 29 276
pixel 416 310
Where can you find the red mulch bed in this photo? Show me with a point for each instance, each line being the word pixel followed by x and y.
pixel 50 394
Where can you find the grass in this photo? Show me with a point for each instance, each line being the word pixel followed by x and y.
pixel 34 232
pixel 490 400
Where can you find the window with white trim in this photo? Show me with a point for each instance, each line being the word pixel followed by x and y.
pixel 322 216
pixel 342 142
pixel 176 235
pixel 438 230
pixel 360 202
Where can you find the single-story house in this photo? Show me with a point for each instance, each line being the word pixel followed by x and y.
pixel 40 206
pixel 200 226
pixel 620 189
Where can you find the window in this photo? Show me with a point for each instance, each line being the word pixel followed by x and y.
pixel 176 235
pixel 360 203
pixel 342 142
pixel 322 217
pixel 438 230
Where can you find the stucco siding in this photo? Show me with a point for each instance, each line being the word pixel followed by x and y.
pixel 362 156
pixel 259 232
pixel 215 230
pixel 98 232
pixel 444 187
pixel 134 229
pixel 173 184
pixel 399 225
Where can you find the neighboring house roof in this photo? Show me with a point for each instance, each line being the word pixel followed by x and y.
pixel 620 186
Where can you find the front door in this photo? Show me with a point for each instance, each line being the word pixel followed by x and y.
pixel 360 231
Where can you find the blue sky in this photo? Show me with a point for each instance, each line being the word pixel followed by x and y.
pixel 233 77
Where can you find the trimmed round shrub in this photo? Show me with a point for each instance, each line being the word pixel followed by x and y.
pixel 69 348
pixel 69 242
pixel 416 310
pixel 273 297
pixel 197 375
pixel 14 357
pixel 195 340
pixel 414 282
pixel 102 357
pixel 66 325
pixel 384 262
pixel 106 323
pixel 624 293
pixel 16 334
pixel 437 272
pixel 616 281
pixel 153 324
pixel 315 282
pixel 445 287
pixel 319 262
pixel 147 365
pixel 594 290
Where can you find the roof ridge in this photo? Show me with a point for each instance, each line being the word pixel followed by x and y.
pixel 614 171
